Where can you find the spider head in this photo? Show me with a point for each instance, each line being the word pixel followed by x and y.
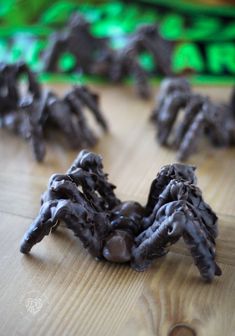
pixel 117 247
pixel 125 221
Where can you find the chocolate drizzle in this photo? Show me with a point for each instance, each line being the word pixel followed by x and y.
pixel 127 231
pixel 37 112
pixel 95 56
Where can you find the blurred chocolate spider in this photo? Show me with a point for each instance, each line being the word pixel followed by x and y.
pixel 35 116
pixel 126 231
pixel 94 55
pixel 76 39
pixel 117 64
pixel 200 117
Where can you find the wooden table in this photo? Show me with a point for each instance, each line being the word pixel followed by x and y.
pixel 60 290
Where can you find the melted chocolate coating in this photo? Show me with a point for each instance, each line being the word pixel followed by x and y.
pixel 127 232
pixel 95 56
pixel 38 111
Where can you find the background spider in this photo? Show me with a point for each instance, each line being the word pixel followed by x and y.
pixel 95 56
pixel 126 231
pixel 76 39
pixel 124 61
pixel 200 117
pixel 35 112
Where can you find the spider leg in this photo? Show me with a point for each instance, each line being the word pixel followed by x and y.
pixel 91 100
pixel 168 114
pixel 176 171
pixel 92 163
pixel 33 123
pixel 60 114
pixel 154 114
pixel 124 63
pixel 201 249
pixel 117 66
pixel 211 119
pixel 191 136
pixel 8 85
pixel 194 106
pixel 86 173
pixel 161 51
pixel 172 85
pixel 173 220
pixel 165 231
pixel 69 199
pixel 174 190
pixel 83 179
pixel 89 227
pixel 66 190
pixel 96 190
pixel 69 189
pixel 56 45
pixel 33 85
pixel 219 124
pixel 141 79
pixel 168 87
pixel 40 227
pixel 202 210
pixel 86 134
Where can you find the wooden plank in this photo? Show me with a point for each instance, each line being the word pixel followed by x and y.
pixel 83 297
pixel 174 296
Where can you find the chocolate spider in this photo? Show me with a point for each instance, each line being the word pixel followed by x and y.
pixel 76 39
pixel 38 111
pixel 124 61
pixel 65 114
pixel 94 55
pixel 200 117
pixel 126 231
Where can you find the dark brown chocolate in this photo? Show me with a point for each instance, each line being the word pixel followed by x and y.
pixel 34 114
pixel 77 39
pixel 125 61
pixel 95 56
pixel 10 90
pixel 126 231
pixel 200 117
pixel 117 247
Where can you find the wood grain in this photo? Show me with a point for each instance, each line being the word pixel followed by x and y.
pixel 60 290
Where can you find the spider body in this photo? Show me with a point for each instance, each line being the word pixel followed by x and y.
pixel 127 231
